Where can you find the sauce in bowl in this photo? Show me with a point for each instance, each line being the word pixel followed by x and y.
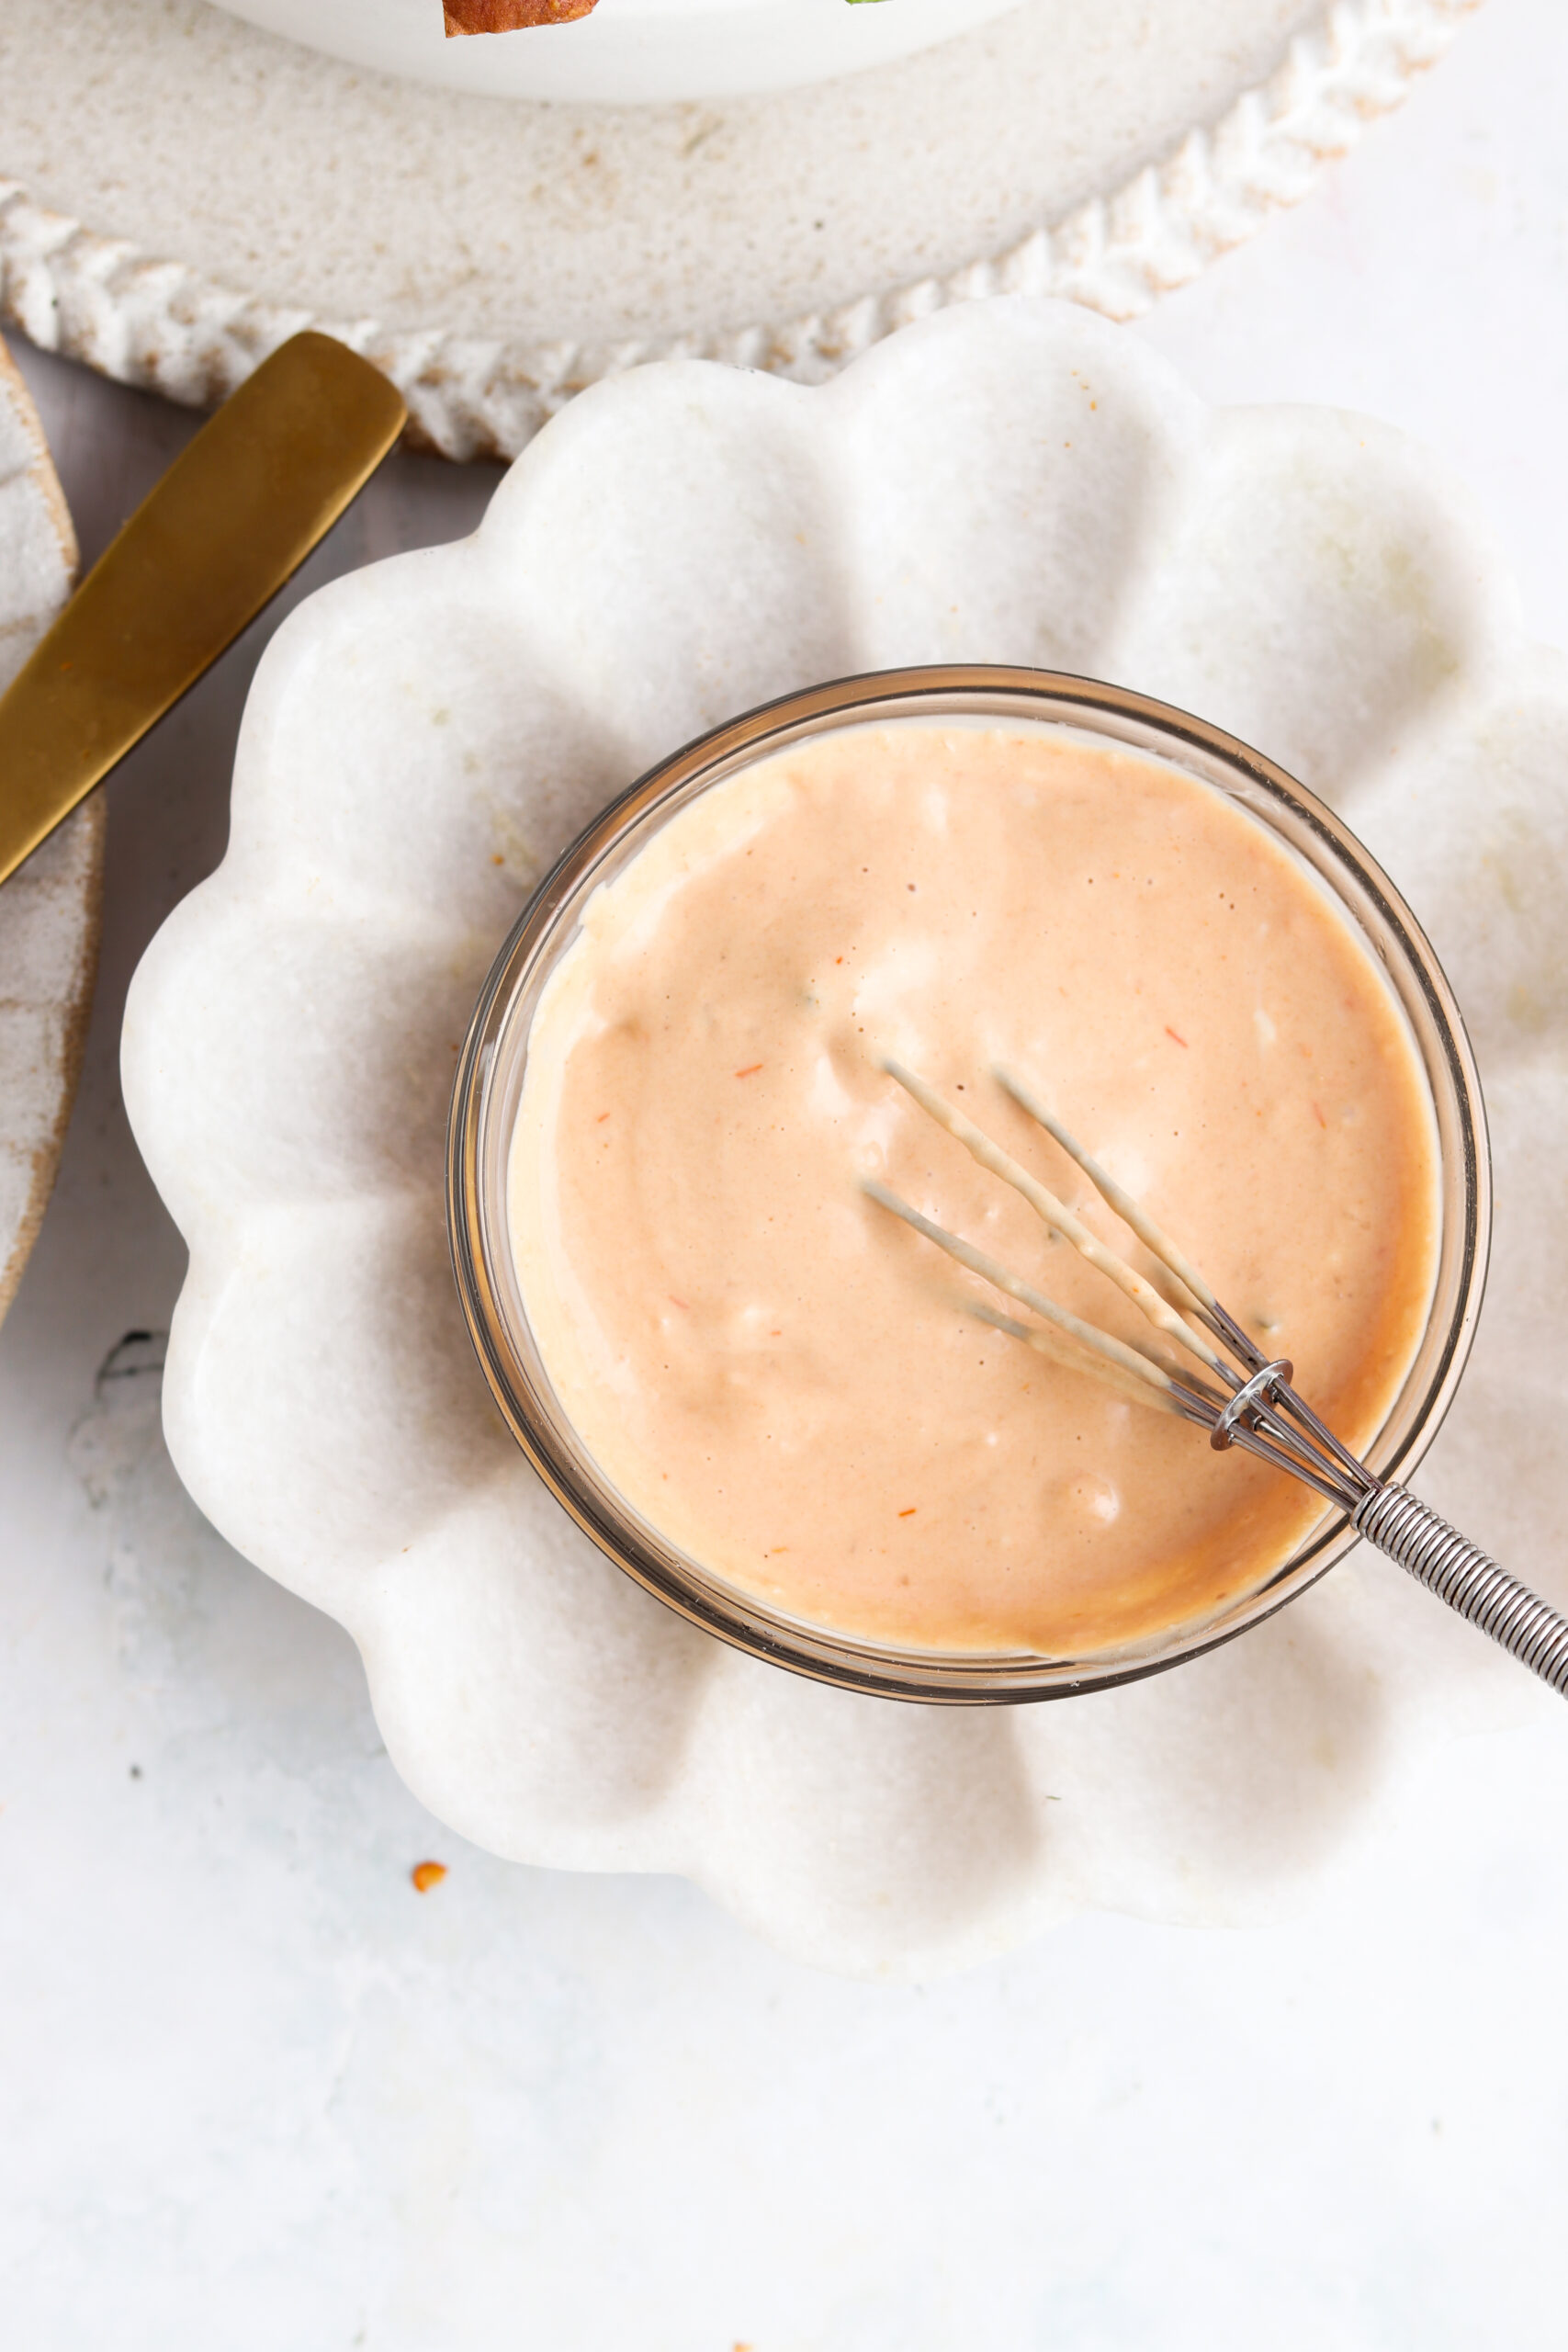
pixel 784 1381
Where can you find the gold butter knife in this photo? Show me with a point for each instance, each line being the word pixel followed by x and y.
pixel 239 510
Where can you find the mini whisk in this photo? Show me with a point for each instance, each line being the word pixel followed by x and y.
pixel 1221 1380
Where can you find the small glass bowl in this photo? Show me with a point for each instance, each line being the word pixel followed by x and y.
pixel 489 1082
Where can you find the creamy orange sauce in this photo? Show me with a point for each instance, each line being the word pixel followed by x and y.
pixel 782 1377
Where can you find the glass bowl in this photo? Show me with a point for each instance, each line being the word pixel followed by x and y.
pixel 494 1059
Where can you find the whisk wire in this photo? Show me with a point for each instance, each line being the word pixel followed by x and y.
pixel 1088 1335
pixel 1115 1196
pixel 1056 1215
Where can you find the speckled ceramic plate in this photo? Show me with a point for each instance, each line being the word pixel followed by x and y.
pixel 48 911
pixel 1012 481
pixel 179 191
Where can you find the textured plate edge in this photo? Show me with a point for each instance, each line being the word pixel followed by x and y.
pixel 154 322
pixel 78 1011
pixel 90 823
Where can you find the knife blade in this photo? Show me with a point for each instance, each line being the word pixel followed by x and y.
pixel 236 513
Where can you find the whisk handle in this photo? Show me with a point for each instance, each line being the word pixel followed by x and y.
pixel 1459 1572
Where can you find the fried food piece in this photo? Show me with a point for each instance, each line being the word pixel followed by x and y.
pixel 506 16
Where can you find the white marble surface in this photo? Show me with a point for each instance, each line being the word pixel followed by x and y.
pixel 258 2092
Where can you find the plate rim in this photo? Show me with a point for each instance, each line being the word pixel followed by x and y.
pixel 75 1007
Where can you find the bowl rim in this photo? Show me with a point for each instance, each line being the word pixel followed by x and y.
pixel 476 1217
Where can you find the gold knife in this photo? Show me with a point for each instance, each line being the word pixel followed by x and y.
pixel 239 510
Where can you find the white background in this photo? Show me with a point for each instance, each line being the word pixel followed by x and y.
pixel 255 2092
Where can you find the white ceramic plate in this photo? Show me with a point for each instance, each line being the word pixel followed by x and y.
pixel 628 50
pixel 178 191
pixel 48 911
pixel 1012 481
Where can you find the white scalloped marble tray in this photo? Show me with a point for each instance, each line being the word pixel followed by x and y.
pixel 49 913
pixel 1014 481
pixel 178 191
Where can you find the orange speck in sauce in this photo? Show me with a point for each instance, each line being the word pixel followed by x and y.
pixel 1172 1033
pixel 749 1071
pixel 427 1875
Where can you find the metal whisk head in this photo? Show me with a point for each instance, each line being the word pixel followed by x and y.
pixel 1220 1380
pixel 1205 1367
